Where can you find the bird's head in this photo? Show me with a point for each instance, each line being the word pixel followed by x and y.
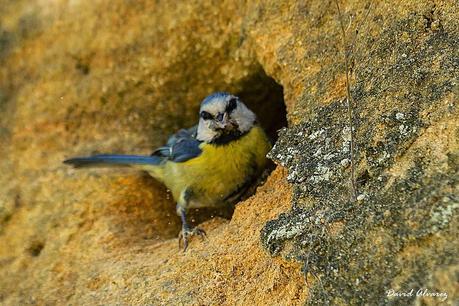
pixel 222 118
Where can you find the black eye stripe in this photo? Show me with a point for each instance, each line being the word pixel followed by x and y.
pixel 232 104
pixel 205 115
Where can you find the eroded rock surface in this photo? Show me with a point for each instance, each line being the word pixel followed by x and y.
pixel 79 77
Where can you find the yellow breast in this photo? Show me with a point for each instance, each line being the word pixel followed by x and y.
pixel 218 171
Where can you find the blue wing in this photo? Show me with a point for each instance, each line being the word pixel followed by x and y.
pixel 181 146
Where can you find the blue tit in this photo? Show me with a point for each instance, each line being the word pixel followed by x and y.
pixel 209 165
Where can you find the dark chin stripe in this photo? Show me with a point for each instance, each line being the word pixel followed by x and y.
pixel 227 138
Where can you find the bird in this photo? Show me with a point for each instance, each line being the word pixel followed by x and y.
pixel 210 165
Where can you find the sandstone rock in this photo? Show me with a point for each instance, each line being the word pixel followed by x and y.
pixel 78 77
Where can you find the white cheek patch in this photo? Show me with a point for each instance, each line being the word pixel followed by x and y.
pixel 205 133
pixel 244 117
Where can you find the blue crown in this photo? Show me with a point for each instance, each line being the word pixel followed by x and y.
pixel 215 96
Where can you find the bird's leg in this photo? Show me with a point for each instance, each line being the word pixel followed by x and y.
pixel 187 231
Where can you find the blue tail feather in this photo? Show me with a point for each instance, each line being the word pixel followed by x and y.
pixel 111 160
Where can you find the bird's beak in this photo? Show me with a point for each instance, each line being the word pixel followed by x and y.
pixel 223 123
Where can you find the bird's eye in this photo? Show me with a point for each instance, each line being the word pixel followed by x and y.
pixel 205 115
pixel 232 104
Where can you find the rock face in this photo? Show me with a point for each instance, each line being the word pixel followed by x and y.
pixel 79 77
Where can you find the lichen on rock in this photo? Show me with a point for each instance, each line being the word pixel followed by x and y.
pixel 406 131
pixel 83 77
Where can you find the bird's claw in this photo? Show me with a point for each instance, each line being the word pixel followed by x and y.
pixel 186 233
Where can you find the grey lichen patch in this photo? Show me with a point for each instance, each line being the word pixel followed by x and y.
pixel 287 226
pixel 314 151
pixel 407 211
pixel 402 227
pixel 402 130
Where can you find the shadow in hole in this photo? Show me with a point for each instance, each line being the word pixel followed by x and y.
pixel 265 97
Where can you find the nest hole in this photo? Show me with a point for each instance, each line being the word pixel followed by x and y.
pixel 265 97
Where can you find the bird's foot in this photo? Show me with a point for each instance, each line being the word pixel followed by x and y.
pixel 186 233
